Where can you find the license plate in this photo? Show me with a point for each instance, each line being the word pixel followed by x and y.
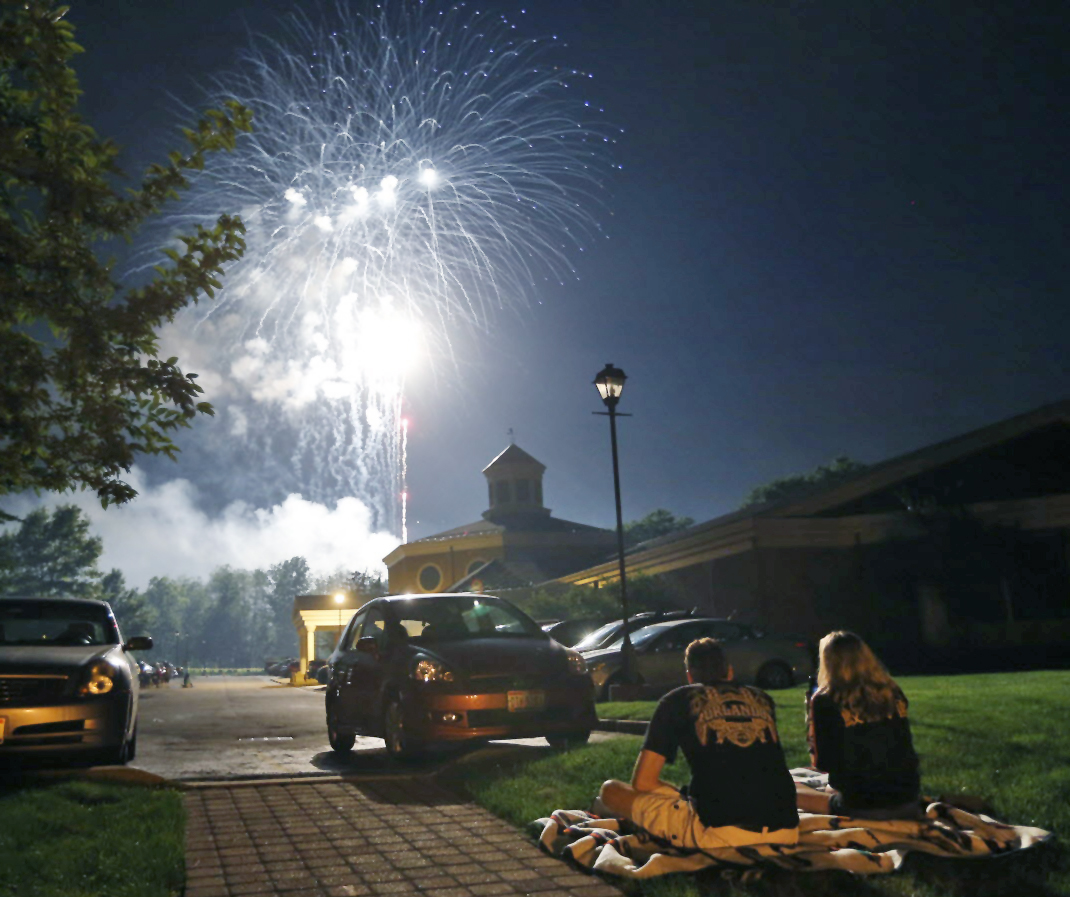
pixel 525 700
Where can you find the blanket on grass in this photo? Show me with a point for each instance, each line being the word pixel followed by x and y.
pixel 861 846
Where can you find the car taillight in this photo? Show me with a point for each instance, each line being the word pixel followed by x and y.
pixel 576 663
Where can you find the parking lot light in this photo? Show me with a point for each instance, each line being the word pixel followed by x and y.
pixel 610 385
pixel 339 599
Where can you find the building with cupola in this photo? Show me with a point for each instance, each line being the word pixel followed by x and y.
pixel 516 543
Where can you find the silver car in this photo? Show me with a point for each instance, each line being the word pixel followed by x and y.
pixel 68 686
pixel 760 658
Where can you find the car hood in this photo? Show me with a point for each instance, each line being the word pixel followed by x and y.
pixel 29 659
pixel 500 656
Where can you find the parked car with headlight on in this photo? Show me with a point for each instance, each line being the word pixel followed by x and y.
pixel 613 631
pixel 67 680
pixel 569 632
pixel 757 657
pixel 433 669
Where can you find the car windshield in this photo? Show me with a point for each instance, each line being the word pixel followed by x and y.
pixel 592 641
pixel 638 638
pixel 454 618
pixel 56 623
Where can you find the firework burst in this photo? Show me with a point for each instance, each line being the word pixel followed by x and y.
pixel 410 173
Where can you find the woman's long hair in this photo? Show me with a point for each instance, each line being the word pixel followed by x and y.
pixel 851 674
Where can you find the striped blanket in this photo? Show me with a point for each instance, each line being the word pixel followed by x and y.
pixel 861 846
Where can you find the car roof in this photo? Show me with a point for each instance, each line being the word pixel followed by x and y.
pixel 670 624
pixel 57 599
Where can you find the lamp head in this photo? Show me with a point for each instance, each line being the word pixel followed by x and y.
pixel 340 598
pixel 610 383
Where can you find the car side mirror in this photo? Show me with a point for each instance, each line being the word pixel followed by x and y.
pixel 138 643
pixel 368 645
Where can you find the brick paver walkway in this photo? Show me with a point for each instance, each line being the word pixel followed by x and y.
pixel 316 838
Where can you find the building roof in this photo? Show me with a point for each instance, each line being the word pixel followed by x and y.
pixel 844 497
pixel 502 574
pixel 514 456
pixel 516 522
pixel 327 602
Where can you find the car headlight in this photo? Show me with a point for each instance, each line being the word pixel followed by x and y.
pixel 427 670
pixel 99 679
pixel 576 663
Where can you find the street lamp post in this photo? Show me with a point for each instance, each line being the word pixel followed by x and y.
pixel 610 383
pixel 339 599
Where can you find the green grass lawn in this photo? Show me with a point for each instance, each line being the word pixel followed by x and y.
pixel 1002 737
pixel 76 838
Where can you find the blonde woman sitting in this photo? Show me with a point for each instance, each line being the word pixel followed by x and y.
pixel 860 735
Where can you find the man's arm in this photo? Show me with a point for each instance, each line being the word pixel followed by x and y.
pixel 647 773
pixel 619 797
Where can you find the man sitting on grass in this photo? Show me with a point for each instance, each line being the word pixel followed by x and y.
pixel 741 792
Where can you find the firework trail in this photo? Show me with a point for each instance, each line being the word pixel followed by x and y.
pixel 404 481
pixel 410 173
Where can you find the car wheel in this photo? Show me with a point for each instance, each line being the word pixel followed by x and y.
pixel 131 747
pixel 615 679
pixel 341 740
pixel 564 741
pixel 118 755
pixel 775 675
pixel 322 676
pixel 400 745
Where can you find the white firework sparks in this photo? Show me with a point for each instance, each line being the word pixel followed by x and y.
pixel 410 173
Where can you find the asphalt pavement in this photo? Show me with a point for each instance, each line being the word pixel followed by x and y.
pixel 242 727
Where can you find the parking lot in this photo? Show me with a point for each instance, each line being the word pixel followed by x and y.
pixel 233 727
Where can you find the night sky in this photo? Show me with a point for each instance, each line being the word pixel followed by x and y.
pixel 838 229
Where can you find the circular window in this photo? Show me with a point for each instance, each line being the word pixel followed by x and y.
pixel 430 578
pixel 475 565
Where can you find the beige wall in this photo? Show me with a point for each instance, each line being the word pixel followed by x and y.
pixel 452 565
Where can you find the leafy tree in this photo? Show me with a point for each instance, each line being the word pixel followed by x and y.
pixel 177 609
pixel 361 583
pixel 131 609
pixel 656 523
pixel 82 391
pixel 551 602
pixel 224 633
pixel 287 580
pixel 802 484
pixel 367 585
pixel 569 603
pixel 50 554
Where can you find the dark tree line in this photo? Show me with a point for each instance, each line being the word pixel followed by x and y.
pixel 234 618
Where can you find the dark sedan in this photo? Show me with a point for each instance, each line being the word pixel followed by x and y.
pixel 453 667
pixel 66 680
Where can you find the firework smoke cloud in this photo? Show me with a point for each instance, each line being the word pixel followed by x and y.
pixel 412 171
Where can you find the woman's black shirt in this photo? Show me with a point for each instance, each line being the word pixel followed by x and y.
pixel 871 763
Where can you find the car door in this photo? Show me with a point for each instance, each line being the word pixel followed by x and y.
pixel 366 670
pixel 738 651
pixel 662 663
pixel 342 665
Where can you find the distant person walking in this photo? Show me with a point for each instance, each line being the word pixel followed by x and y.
pixel 859 734
pixel 186 681
pixel 741 792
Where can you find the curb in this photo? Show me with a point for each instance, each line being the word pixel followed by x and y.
pixel 628 726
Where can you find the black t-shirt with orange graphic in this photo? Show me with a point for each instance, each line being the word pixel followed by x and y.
pixel 872 763
pixel 729 736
